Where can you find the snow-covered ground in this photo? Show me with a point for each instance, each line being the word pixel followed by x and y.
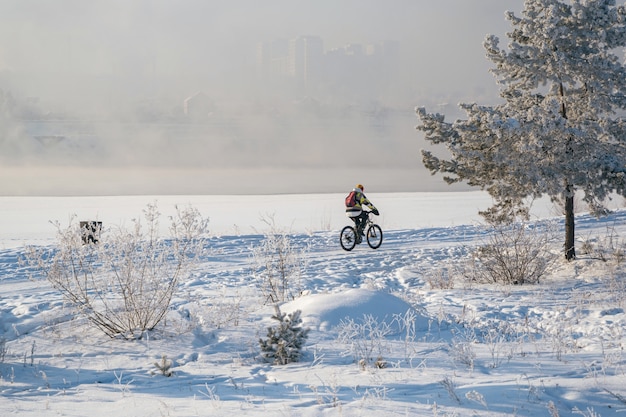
pixel 555 348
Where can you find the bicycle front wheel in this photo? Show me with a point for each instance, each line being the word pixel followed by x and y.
pixel 347 238
pixel 374 236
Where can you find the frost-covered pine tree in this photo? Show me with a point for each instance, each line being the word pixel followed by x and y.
pixel 285 340
pixel 560 128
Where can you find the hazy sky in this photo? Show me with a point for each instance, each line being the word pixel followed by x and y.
pixel 93 55
pixel 131 38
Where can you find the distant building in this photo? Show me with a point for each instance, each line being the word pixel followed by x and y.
pixel 273 59
pixel 301 67
pixel 354 49
pixel 306 57
pixel 198 106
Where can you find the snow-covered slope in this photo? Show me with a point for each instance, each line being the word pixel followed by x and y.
pixel 459 349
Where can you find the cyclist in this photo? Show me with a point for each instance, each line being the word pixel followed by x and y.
pixel 354 209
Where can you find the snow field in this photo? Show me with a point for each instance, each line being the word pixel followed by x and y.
pixel 470 349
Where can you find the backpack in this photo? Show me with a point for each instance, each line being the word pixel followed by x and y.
pixel 351 199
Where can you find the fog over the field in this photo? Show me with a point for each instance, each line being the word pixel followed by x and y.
pixel 284 96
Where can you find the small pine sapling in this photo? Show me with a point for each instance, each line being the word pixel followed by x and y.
pixel 165 366
pixel 285 340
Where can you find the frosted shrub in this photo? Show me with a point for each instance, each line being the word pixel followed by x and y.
pixel 516 254
pixel 366 339
pixel 278 267
pixel 125 283
pixel 285 340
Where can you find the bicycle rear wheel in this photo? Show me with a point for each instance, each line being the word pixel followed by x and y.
pixel 347 238
pixel 374 236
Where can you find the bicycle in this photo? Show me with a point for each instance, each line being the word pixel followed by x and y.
pixel 350 237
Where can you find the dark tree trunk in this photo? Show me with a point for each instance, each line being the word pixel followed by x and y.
pixel 570 251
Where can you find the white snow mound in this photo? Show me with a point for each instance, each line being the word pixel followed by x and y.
pixel 325 311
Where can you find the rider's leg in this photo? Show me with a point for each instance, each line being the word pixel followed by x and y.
pixel 357 223
pixel 362 222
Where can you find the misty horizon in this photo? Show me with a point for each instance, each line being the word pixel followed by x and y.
pixel 109 86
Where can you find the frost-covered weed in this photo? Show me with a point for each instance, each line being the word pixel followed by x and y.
pixel 211 394
pixel 608 248
pixel 365 339
pixel 462 348
pixel 123 385
pixel 329 392
pixel 496 342
pixel 450 387
pixel 554 412
pixel 477 397
pixel 407 326
pixel 589 412
pixel 561 335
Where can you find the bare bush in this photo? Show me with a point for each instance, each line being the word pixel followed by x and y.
pixel 124 284
pixel 278 267
pixel 516 254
